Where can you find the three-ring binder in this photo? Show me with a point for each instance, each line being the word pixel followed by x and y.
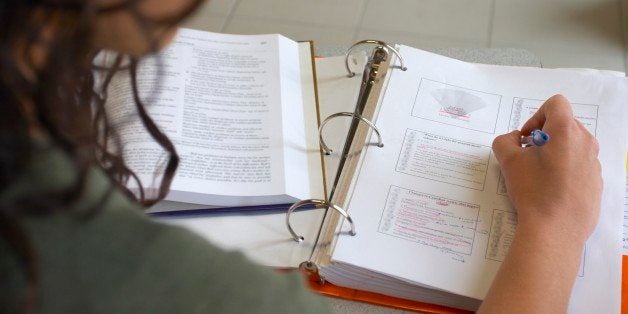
pixel 373 73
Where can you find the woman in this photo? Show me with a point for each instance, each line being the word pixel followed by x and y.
pixel 74 239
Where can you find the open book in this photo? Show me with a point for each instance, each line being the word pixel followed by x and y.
pixel 241 111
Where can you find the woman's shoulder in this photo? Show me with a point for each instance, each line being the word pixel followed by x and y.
pixel 106 255
pixel 121 261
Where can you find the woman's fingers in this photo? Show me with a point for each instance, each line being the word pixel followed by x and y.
pixel 553 116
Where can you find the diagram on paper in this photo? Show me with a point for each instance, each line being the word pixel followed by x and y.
pixel 457 106
pixel 443 159
pixel 503 226
pixel 429 220
pixel 524 108
pixel 501 185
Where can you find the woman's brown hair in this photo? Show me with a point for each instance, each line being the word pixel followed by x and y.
pixel 59 98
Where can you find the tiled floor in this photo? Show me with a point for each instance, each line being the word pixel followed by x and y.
pixel 563 33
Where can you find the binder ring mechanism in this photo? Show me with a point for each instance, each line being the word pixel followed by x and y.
pixel 320 203
pixel 326 148
pixel 379 44
pixel 357 114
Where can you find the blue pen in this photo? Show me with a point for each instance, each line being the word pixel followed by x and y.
pixel 536 138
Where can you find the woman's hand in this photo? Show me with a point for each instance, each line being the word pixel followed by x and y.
pixel 556 190
pixel 558 186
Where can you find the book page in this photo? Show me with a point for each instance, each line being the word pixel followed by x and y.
pixel 220 99
pixel 430 207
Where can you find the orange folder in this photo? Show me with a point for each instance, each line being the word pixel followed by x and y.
pixel 331 290
pixel 624 284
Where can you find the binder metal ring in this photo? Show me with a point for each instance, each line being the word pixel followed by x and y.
pixel 326 148
pixel 324 203
pixel 375 42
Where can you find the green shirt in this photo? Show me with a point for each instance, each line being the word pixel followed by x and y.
pixel 119 261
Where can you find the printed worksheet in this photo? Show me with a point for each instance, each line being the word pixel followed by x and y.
pixel 433 196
